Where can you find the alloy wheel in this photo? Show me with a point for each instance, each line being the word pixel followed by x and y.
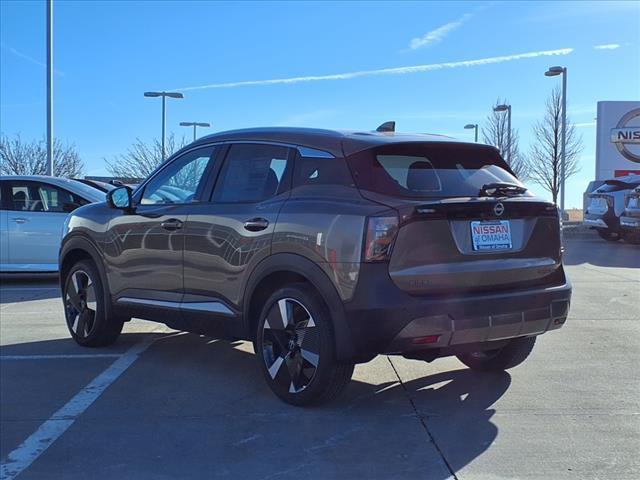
pixel 290 345
pixel 80 303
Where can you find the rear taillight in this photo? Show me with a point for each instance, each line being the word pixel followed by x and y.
pixel 381 232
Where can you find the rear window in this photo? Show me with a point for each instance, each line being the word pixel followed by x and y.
pixel 424 170
pixel 616 186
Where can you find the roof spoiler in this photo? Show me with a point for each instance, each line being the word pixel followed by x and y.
pixel 387 127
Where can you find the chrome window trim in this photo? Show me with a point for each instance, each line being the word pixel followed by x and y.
pixel 314 153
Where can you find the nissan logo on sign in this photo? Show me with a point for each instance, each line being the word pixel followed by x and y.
pixel 625 137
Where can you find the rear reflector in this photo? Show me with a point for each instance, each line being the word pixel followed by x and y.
pixel 425 340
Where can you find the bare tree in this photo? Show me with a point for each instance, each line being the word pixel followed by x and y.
pixel 545 158
pixel 496 132
pixel 18 157
pixel 142 158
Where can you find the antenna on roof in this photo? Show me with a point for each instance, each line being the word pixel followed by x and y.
pixel 387 127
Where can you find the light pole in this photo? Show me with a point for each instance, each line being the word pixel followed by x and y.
pixel 474 126
pixel 195 125
pixel 164 95
pixel 49 87
pixel 552 72
pixel 506 108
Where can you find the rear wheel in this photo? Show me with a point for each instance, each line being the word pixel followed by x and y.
pixel 85 308
pixel 608 234
pixel 500 359
pixel 296 349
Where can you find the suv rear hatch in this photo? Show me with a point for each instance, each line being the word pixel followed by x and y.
pixel 464 222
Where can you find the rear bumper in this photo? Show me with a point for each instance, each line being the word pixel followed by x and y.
pixel 384 319
pixel 630 222
pixel 607 220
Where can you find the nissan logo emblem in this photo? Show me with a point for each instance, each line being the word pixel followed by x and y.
pixel 498 209
pixel 625 136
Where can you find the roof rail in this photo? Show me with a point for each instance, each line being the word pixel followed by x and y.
pixel 387 127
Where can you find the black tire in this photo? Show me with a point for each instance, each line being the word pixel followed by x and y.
pixel 85 307
pixel 632 237
pixel 514 353
pixel 297 356
pixel 608 235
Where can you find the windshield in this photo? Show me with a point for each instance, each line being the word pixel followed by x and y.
pixel 424 170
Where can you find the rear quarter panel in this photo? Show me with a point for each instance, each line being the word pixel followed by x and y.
pixel 326 225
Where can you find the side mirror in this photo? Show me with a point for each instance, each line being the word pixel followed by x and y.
pixel 120 198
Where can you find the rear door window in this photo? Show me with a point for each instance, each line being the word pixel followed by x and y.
pixel 252 173
pixel 423 170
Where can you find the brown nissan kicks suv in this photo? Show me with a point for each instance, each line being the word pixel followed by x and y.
pixel 325 249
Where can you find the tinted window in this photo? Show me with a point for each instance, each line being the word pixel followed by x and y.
pixel 42 197
pixel 321 171
pixel 423 170
pixel 178 182
pixel 251 173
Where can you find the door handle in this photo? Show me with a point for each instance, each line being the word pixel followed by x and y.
pixel 256 224
pixel 19 220
pixel 172 224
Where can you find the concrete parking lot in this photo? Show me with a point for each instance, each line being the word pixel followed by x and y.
pixel 160 404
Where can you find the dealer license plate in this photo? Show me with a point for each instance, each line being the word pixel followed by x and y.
pixel 493 235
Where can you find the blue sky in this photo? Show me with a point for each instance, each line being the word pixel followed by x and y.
pixel 346 60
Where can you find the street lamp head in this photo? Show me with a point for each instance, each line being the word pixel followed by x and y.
pixel 553 71
pixel 501 108
pixel 469 126
pixel 174 94
pixel 152 94
pixel 203 124
pixel 186 124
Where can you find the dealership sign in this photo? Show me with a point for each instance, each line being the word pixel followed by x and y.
pixel 618 139
pixel 624 137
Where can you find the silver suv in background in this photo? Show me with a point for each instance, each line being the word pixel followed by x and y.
pixel 630 220
pixel 606 205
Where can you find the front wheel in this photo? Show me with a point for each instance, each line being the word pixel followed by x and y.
pixel 296 348
pixel 608 234
pixel 500 359
pixel 85 308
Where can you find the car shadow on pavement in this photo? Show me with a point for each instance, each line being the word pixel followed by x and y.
pixel 601 253
pixel 417 420
pixel 18 287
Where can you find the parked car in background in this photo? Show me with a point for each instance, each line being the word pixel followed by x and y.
pixel 606 205
pixel 324 248
pixel 103 186
pixel 33 210
pixel 630 219
pixel 593 184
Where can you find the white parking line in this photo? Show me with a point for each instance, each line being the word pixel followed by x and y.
pixel 59 356
pixel 25 454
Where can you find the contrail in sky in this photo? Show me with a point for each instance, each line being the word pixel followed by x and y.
pixel 385 71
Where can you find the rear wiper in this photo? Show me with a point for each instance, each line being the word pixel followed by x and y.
pixel 493 189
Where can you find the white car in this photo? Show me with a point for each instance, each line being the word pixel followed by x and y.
pixel 32 213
